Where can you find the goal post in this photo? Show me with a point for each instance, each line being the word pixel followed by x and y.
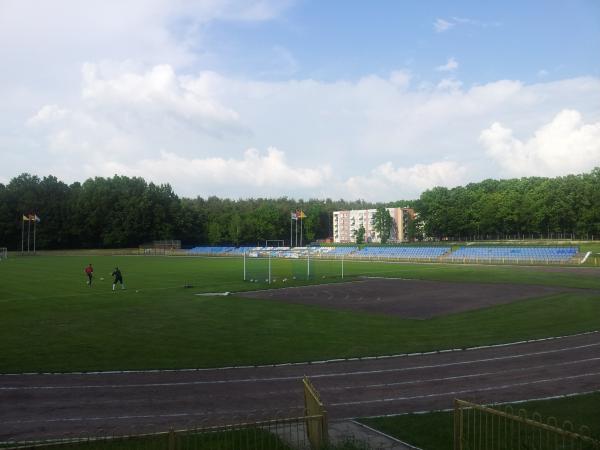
pixel 274 243
pixel 3 253
pixel 270 266
pixel 257 267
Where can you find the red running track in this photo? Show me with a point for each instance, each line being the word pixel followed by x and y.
pixel 39 406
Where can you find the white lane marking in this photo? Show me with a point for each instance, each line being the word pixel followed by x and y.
pixel 428 380
pixel 510 402
pixel 465 391
pixel 322 375
pixel 151 416
pixel 384 400
pixel 307 363
pixel 456 377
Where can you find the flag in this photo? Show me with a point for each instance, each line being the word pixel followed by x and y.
pixel 294 216
pixel 36 218
pixel 300 214
pixel 25 217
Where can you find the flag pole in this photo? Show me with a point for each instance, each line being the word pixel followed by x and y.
pixel 28 232
pixel 34 224
pixel 291 222
pixel 22 235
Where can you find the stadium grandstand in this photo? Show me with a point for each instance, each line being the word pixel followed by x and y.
pixel 426 253
pixel 408 253
pixel 514 254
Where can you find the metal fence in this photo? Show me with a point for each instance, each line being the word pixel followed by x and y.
pixel 303 432
pixel 276 434
pixel 478 427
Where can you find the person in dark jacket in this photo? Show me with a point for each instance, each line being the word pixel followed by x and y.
pixel 118 278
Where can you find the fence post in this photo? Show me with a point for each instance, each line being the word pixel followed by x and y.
pixel 171 445
pixel 318 433
pixel 458 424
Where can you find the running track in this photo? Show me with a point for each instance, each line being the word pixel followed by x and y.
pixel 36 406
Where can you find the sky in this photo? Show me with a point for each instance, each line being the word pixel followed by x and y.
pixel 300 98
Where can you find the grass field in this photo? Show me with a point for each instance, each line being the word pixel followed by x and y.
pixel 50 320
pixel 434 431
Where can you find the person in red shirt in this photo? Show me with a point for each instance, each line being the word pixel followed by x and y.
pixel 89 271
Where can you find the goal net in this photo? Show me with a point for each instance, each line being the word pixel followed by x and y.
pixel 3 253
pixel 273 267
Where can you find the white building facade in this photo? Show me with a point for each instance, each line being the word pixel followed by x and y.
pixel 347 223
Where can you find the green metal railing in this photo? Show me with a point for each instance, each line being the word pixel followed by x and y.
pixel 478 427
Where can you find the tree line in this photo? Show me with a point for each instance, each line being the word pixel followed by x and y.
pixel 127 212
pixel 517 208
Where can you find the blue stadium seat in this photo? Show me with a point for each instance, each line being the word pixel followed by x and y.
pixel 537 254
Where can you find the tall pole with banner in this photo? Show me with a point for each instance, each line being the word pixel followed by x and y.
pixel 23 233
pixel 36 219
pixel 293 217
pixel 301 216
pixel 28 232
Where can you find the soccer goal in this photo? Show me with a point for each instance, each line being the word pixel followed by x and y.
pixel 269 266
pixel 3 253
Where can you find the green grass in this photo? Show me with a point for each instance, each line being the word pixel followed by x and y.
pixel 434 431
pixel 51 321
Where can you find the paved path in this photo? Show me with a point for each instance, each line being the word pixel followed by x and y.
pixel 53 405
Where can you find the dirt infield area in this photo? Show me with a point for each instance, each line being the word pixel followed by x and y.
pixel 411 299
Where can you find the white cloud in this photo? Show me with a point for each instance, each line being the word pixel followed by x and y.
pixel 449 84
pixel 47 114
pixel 565 145
pixel 254 174
pixel 159 90
pixel 451 65
pixel 441 25
pixel 362 138
pixel 400 78
pixel 386 182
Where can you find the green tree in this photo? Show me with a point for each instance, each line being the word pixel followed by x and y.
pixel 214 233
pixel 359 235
pixel 234 229
pixel 383 223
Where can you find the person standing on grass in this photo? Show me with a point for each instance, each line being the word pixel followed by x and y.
pixel 118 278
pixel 89 271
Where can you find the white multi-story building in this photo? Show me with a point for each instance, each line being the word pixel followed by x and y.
pixel 347 223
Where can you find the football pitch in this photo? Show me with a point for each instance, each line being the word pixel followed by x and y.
pixel 52 321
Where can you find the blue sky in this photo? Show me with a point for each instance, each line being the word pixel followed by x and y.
pixel 492 40
pixel 376 100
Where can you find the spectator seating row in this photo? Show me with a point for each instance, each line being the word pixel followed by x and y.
pixel 550 254
pixel 210 250
pixel 402 252
pixel 557 254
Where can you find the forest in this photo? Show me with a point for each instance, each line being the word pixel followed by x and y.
pixel 128 212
